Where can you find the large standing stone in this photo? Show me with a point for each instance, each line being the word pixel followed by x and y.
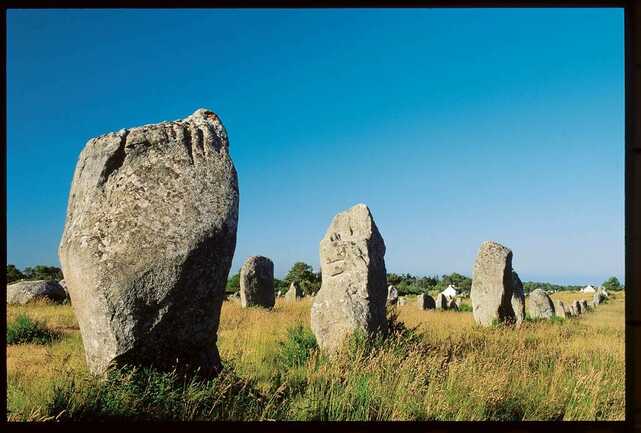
pixel 518 298
pixel 23 292
pixel 577 307
pixel 257 283
pixel 492 282
pixel 148 242
pixel 584 306
pixel 441 302
pixel 599 296
pixel 560 310
pixel 425 302
pixel 392 295
pixel 294 293
pixel 538 305
pixel 354 280
pixel 452 304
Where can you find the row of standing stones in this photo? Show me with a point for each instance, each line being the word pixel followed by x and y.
pixel 149 238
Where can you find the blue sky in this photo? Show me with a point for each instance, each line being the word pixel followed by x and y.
pixel 454 126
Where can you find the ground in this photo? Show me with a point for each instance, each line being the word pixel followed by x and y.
pixel 442 368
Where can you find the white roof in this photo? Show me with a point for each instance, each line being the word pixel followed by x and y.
pixel 450 291
pixel 588 288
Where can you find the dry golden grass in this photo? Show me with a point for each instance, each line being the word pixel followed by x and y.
pixel 454 370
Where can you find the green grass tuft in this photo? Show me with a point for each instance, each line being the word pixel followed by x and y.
pixel 23 330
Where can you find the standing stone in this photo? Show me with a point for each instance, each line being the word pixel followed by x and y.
pixel 148 241
pixel 599 296
pixel 518 298
pixel 63 284
pixel 584 305
pixel 452 304
pixel 441 302
pixel 539 305
pixel 560 309
pixel 425 302
pixel 578 307
pixel 402 300
pixel 23 292
pixel 354 280
pixel 492 282
pixel 257 283
pixel 294 293
pixel 392 295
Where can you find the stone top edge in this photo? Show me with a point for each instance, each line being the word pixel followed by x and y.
pixel 200 116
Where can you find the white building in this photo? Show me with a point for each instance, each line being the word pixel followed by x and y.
pixel 450 292
pixel 588 289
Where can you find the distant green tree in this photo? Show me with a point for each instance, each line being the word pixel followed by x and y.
pixel 393 279
pixel 41 272
pixel 612 283
pixel 305 276
pixel 233 284
pixel 13 274
pixel 463 283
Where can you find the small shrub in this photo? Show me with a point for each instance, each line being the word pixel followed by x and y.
pixel 26 330
pixel 465 308
pixel 295 351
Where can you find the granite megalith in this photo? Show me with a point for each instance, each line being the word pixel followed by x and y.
pixel 353 292
pixel 518 298
pixel 492 285
pixel 294 293
pixel 257 283
pixel 148 242
pixel 441 301
pixel 22 292
pixel 538 305
pixel 425 302
pixel 392 295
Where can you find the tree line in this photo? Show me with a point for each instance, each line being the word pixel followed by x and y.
pixel 310 281
pixel 39 272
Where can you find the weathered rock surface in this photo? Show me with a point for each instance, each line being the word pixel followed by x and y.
pixel 402 300
pixel 584 306
pixel 539 305
pixel 425 302
pixel 23 292
pixel 392 295
pixel 354 280
pixel 441 301
pixel 257 283
pixel 577 307
pixel 294 293
pixel 452 304
pixel 148 242
pixel 492 282
pixel 560 310
pixel 518 298
pixel 599 297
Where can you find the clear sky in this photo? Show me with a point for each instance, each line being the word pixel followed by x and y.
pixel 454 126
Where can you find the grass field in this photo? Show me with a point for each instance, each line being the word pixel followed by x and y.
pixel 436 366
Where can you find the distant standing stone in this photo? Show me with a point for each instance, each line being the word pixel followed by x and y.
pixel 294 293
pixel 584 306
pixel 452 304
pixel 539 305
pixel 492 282
pixel 599 296
pixel 392 295
pixel 148 242
pixel 425 302
pixel 518 298
pixel 560 309
pixel 23 292
pixel 257 283
pixel 402 300
pixel 577 307
pixel 441 302
pixel 354 280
